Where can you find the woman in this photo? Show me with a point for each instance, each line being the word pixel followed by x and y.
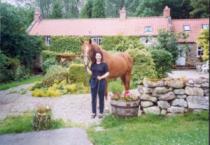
pixel 98 71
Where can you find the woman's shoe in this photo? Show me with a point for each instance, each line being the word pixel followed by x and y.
pixel 93 115
pixel 100 115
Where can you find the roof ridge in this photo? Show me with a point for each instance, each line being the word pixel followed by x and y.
pixel 189 19
pixel 114 18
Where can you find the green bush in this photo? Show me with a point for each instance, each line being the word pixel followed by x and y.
pixel 46 54
pixel 116 87
pixel 8 67
pixel 22 73
pixel 77 73
pixel 49 62
pixel 63 43
pixel 120 43
pixel 143 65
pixel 128 43
pixel 163 61
pixel 55 73
pixel 168 41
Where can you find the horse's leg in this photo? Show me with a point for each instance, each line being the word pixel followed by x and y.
pixel 123 78
pixel 127 82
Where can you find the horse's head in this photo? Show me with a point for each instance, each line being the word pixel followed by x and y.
pixel 87 51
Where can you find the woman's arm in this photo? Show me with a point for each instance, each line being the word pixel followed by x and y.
pixel 103 76
pixel 88 70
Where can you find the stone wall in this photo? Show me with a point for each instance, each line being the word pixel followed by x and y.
pixel 174 96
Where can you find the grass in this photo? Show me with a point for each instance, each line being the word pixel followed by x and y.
pixel 188 129
pixel 8 85
pixel 23 123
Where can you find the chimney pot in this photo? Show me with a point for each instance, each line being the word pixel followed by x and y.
pixel 123 14
pixel 37 14
pixel 166 12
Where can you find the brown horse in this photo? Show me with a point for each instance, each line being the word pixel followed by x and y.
pixel 119 64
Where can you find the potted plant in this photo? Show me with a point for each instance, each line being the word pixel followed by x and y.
pixel 124 106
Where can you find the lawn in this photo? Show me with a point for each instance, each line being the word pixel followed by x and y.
pixel 188 129
pixel 23 123
pixel 8 85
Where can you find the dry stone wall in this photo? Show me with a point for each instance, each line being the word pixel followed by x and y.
pixel 172 96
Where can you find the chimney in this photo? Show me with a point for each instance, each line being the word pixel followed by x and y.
pixel 123 14
pixel 166 12
pixel 37 14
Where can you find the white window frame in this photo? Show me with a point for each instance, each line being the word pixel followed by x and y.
pixel 186 28
pixel 199 51
pixel 97 40
pixel 205 26
pixel 47 40
pixel 147 29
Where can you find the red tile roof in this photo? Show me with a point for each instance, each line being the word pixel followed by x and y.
pixel 114 26
pixel 99 26
pixel 195 27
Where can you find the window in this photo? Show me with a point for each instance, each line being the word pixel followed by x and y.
pixel 47 40
pixel 97 40
pixel 148 29
pixel 199 51
pixel 205 26
pixel 186 27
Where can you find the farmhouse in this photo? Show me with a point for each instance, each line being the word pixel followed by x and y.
pixel 146 28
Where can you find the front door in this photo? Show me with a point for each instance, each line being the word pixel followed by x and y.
pixel 181 60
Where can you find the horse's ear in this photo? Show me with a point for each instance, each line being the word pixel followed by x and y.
pixel 90 41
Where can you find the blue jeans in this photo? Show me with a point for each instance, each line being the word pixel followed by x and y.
pixel 97 87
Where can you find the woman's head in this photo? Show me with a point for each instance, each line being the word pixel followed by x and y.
pixel 98 57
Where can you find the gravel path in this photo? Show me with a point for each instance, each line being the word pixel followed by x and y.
pixel 72 107
pixel 66 136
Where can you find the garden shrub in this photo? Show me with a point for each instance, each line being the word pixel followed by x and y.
pixel 143 65
pixel 55 73
pixel 46 54
pixel 163 61
pixel 77 73
pixel 120 43
pixel 128 43
pixel 22 73
pixel 168 41
pixel 48 63
pixel 8 67
pixel 116 87
pixel 42 118
pixel 58 89
pixel 63 43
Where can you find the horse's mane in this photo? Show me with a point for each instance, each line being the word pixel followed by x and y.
pixel 93 50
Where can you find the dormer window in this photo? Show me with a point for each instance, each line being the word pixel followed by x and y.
pixel 205 26
pixel 148 29
pixel 186 27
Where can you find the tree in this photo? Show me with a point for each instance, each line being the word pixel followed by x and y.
pixel 56 9
pixel 203 41
pixel 179 8
pixel 98 9
pixel 200 8
pixel 168 41
pixel 86 11
pixel 71 8
pixel 45 8
pixel 112 7
pixel 15 43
